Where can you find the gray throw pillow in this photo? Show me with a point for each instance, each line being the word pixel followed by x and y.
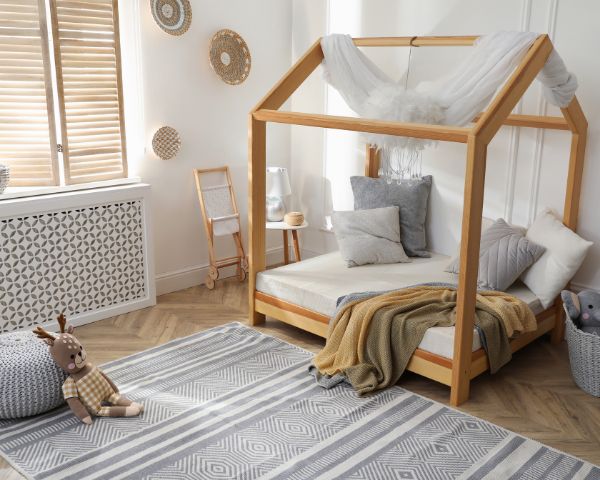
pixel 505 253
pixel 369 236
pixel 410 195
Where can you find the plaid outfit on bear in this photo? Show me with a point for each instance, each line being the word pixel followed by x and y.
pixel 93 390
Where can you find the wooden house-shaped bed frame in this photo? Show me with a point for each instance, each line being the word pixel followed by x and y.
pixel 465 365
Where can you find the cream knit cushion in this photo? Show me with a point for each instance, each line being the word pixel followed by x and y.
pixel 565 252
pixel 30 381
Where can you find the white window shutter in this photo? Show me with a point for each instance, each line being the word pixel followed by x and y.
pixel 27 129
pixel 90 93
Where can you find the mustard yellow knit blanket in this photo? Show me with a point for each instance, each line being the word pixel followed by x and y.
pixel 371 341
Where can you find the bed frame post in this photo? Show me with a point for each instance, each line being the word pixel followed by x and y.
pixel 483 132
pixel 257 166
pixel 469 266
pixel 578 125
pixel 372 162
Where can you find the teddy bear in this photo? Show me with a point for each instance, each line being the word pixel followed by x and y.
pixel 584 309
pixel 88 390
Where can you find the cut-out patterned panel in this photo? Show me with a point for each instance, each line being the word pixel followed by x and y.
pixel 72 260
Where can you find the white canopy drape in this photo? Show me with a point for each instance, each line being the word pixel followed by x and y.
pixel 453 100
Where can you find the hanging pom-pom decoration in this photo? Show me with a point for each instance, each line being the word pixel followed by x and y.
pixel 400 164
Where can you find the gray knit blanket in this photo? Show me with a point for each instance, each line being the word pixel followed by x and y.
pixel 330 381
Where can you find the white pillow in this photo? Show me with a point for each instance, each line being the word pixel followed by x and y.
pixel 565 252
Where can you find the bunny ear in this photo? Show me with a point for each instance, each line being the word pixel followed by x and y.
pixel 571 302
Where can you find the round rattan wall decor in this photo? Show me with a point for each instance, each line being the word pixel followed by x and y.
pixel 230 57
pixel 173 16
pixel 166 143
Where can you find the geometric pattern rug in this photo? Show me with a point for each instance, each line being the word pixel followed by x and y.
pixel 232 403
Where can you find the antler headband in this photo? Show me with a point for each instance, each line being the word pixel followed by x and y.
pixel 62 321
pixel 41 333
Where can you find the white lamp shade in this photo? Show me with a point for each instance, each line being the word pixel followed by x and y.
pixel 278 182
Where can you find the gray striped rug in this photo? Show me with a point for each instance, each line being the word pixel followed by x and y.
pixel 233 403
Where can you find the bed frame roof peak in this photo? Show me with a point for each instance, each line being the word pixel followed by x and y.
pixel 485 124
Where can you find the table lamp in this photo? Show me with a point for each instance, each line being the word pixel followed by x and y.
pixel 278 186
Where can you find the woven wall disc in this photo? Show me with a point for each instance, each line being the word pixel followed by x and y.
pixel 230 57
pixel 173 16
pixel 166 143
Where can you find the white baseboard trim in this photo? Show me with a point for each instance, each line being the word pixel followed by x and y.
pixel 100 314
pixel 191 276
pixel 309 253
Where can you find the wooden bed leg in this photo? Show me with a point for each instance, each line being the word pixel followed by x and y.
pixel 558 332
pixel 257 172
pixel 469 266
pixel 256 318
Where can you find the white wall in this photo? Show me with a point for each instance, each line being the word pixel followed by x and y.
pixel 181 90
pixel 526 168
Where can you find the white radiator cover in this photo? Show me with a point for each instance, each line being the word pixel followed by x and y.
pixel 86 253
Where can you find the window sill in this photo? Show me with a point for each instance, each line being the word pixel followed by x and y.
pixel 23 192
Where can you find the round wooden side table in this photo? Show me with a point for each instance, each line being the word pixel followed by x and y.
pixel 285 228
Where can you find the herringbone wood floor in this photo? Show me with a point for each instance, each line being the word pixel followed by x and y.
pixel 534 395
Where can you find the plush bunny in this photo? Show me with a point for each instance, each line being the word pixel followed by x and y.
pixel 87 390
pixel 584 309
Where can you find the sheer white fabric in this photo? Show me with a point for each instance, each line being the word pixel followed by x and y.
pixel 559 85
pixel 219 208
pixel 468 90
pixel 453 100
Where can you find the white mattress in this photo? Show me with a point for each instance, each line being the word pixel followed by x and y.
pixel 318 282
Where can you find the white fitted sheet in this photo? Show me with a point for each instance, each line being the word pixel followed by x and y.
pixel 317 283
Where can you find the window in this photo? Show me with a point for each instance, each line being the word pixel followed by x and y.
pixel 61 95
pixel 27 127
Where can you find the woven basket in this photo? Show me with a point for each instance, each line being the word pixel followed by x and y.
pixel 295 219
pixel 166 143
pixel 173 16
pixel 584 355
pixel 231 46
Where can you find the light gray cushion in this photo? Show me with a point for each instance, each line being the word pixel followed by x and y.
pixel 410 195
pixel 30 380
pixel 505 253
pixel 369 236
